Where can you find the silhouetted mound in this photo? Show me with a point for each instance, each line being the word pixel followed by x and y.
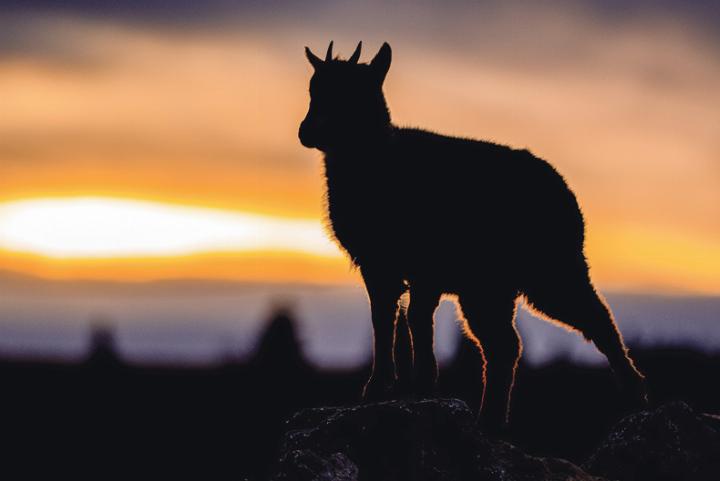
pixel 406 440
pixel 672 442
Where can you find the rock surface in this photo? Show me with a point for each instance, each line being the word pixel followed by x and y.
pixel 403 440
pixel 672 442
pixel 436 440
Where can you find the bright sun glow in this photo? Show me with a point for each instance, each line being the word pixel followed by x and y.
pixel 95 227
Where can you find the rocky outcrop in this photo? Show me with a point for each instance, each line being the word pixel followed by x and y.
pixel 404 440
pixel 436 440
pixel 672 442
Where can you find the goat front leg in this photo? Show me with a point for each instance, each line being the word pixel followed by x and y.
pixel 423 302
pixel 384 291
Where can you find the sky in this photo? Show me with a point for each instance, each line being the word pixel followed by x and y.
pixel 158 140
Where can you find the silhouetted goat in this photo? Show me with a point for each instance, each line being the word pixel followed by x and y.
pixel 442 215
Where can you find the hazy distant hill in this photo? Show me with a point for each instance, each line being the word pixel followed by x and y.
pixel 203 321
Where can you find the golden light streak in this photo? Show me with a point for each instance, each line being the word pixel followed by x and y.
pixel 250 266
pixel 628 257
pixel 92 227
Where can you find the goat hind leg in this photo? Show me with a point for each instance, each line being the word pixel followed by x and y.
pixel 578 305
pixel 423 302
pixel 491 324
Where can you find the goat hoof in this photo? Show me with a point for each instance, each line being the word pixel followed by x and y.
pixel 493 424
pixel 494 427
pixel 424 388
pixel 379 390
pixel 635 395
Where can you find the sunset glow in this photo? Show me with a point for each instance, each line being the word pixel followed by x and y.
pixel 92 227
pixel 129 152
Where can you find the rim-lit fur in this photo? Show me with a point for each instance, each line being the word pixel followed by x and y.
pixel 444 215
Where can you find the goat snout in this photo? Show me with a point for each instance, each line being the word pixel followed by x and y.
pixel 307 134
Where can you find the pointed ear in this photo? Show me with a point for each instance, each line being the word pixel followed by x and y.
pixel 328 54
pixel 381 63
pixel 313 59
pixel 356 54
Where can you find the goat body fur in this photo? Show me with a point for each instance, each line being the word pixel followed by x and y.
pixel 447 210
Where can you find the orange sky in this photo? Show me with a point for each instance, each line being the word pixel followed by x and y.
pixel 627 112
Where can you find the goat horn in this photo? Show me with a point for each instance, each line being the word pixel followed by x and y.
pixel 356 54
pixel 328 55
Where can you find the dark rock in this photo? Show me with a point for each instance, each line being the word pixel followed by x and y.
pixel 307 464
pixel 433 440
pixel 672 442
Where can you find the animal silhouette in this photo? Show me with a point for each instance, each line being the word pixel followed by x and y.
pixel 444 215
